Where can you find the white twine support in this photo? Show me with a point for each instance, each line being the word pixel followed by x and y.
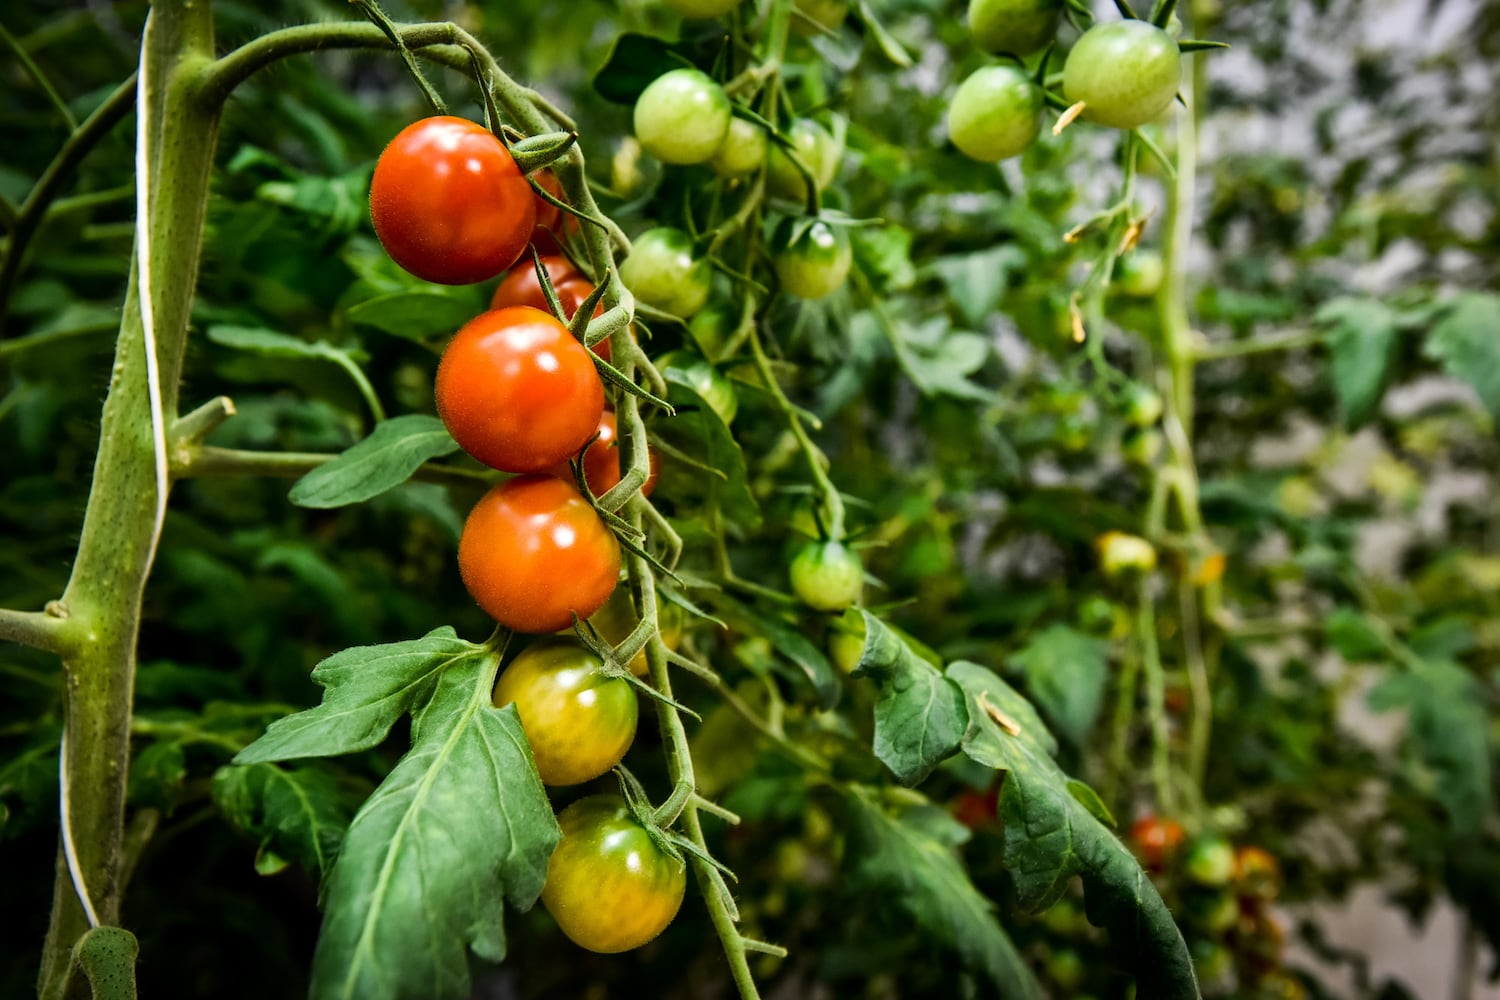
pixel 70 853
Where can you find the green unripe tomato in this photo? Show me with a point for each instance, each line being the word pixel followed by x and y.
pixel 819 152
pixel 1142 445
pixel 662 272
pixel 995 114
pixel 1075 431
pixel 682 117
pixel 846 641
pixel 1209 860
pixel 743 149
pixel 1138 274
pixel 828 576
pixel 704 379
pixel 578 721
pixel 817 17
pixel 815 263
pixel 711 327
pixel 1097 615
pixel 1066 969
pixel 1126 73
pixel 1019 27
pixel 1143 405
pixel 703 9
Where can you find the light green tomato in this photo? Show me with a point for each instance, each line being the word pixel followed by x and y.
pixel 828 576
pixel 1019 27
pixel 1126 73
pixel 703 9
pixel 662 272
pixel 816 147
pixel 743 150
pixel 682 117
pixel 817 17
pixel 995 114
pixel 703 378
pixel 816 263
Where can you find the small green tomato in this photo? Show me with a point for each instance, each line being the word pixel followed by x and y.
pixel 815 262
pixel 743 150
pixel 828 576
pixel 995 114
pixel 663 272
pixel 1126 73
pixel 682 117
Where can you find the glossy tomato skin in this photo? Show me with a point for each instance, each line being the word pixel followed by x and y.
pixel 663 272
pixel 533 553
pixel 704 379
pixel 1019 27
pixel 742 151
pixel 682 117
pixel 578 721
pixel 819 152
pixel 828 576
pixel 521 288
pixel 1126 72
pixel 995 113
pixel 448 202
pixel 517 391
pixel 601 462
pixel 609 887
pixel 816 263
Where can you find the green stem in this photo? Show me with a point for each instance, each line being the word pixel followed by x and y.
pixel 34 208
pixel 39 629
pixel 1259 345
pixel 104 592
pixel 362 383
pixel 209 461
pixel 32 68
pixel 1156 703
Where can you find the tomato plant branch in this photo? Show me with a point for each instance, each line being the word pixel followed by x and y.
pixel 104 591
pixel 38 629
pixel 1156 701
pixel 34 209
pixel 35 72
pixel 206 460
pixel 1258 345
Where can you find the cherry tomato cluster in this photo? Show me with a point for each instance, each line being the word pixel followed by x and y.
pixel 1223 896
pixel 1121 74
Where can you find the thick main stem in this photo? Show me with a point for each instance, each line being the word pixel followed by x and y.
pixel 104 593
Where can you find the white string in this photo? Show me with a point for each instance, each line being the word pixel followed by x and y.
pixel 143 275
pixel 69 851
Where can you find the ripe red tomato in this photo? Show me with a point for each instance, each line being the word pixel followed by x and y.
pixel 533 553
pixel 975 809
pixel 1155 840
pixel 578 721
pixel 601 463
pixel 609 886
pixel 517 391
pixel 548 215
pixel 521 288
pixel 448 202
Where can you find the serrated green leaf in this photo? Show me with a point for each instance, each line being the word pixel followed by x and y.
pixel 921 874
pixel 1354 636
pixel 156 774
pixel 808 663
pixel 920 715
pixel 884 254
pixel 1363 341
pixel 367 688
pixel 1050 836
pixel 270 344
pixel 939 360
pixel 1467 342
pixel 1448 735
pixel 297 813
pixel 717 449
pixel 1065 673
pixel 413 315
pixel 394 450
pixel 107 956
pixel 460 824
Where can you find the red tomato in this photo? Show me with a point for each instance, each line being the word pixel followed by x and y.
pixel 975 809
pixel 517 391
pixel 448 202
pixel 521 288
pixel 548 215
pixel 601 463
pixel 533 553
pixel 1155 840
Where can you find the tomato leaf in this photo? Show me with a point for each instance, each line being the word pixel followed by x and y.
pixel 270 344
pixel 367 688
pixel 1447 735
pixel 459 824
pixel 635 61
pixel 107 956
pixel 297 812
pixel 1363 341
pixel 1354 636
pixel 1065 673
pixel 394 450
pixel 910 860
pixel 1050 836
pixel 811 666
pixel 413 315
pixel 717 448
pixel 1467 341
pixel 978 281
pixel 920 715
pixel 884 40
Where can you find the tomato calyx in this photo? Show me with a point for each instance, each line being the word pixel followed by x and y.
pixel 657 820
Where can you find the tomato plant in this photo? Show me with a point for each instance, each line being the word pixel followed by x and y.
pixel 533 554
pixel 819 152
pixel 663 272
pixel 610 886
pixel 1126 73
pixel 1019 27
pixel 827 576
pixel 996 113
pixel 449 203
pixel 743 150
pixel 814 262
pixel 578 720
pixel 682 117
pixel 704 379
pixel 517 391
